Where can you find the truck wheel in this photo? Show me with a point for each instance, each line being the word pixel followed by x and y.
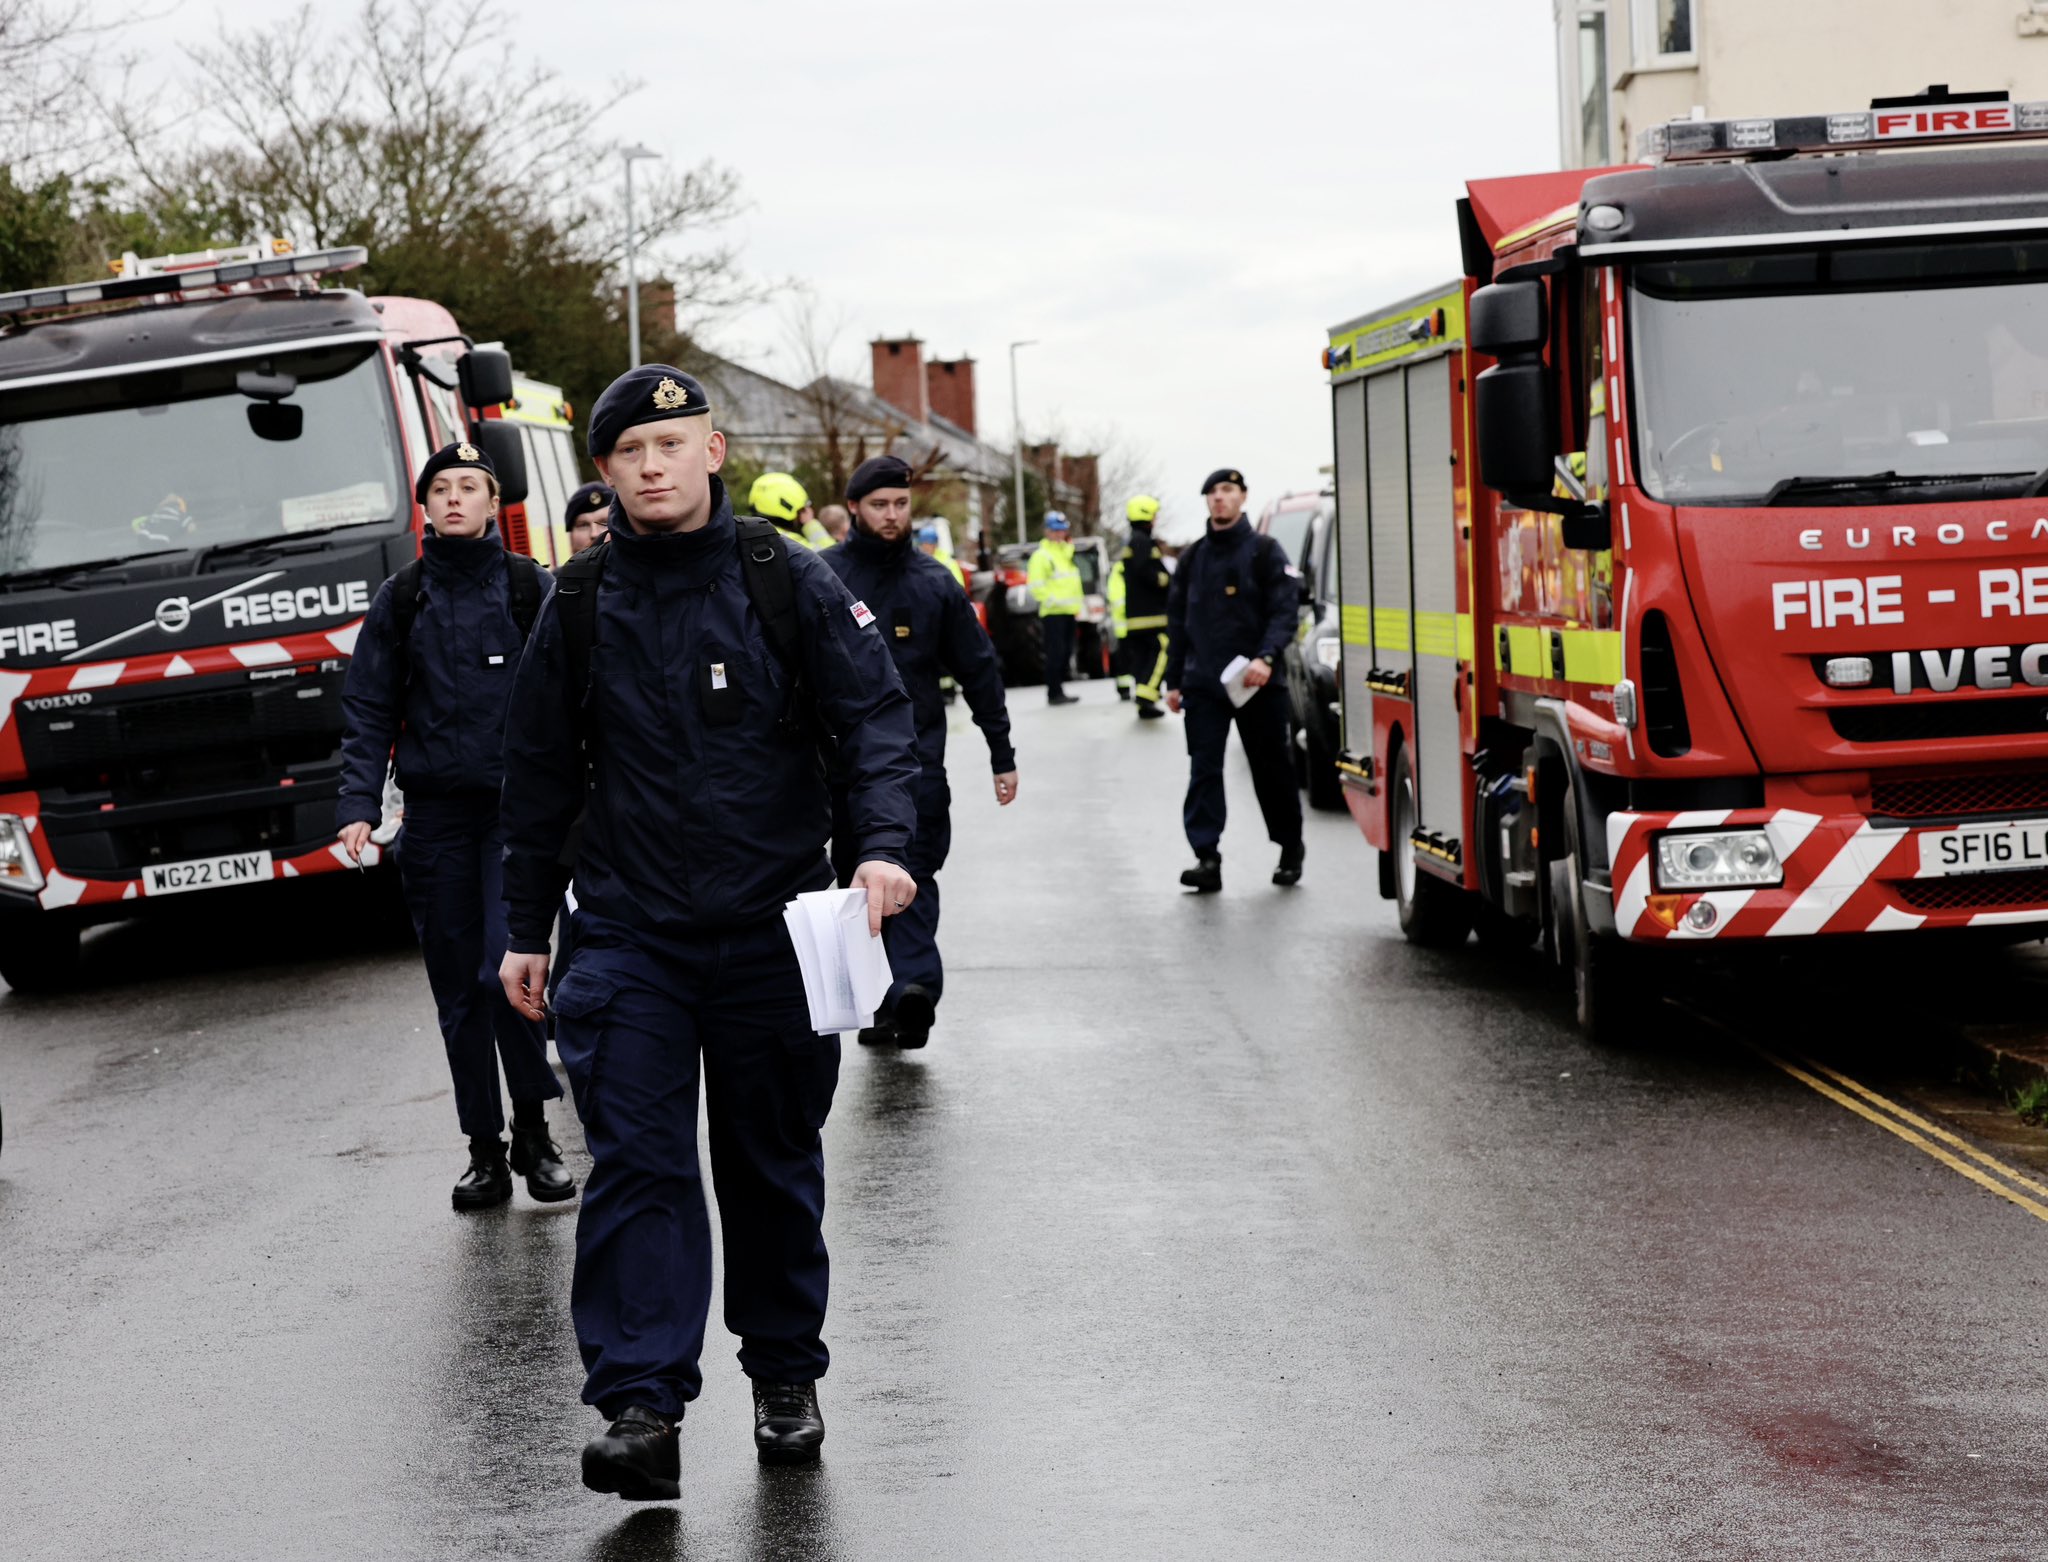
pixel 38 954
pixel 1325 786
pixel 1609 994
pixel 1434 914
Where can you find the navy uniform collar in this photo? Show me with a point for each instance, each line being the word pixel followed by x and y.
pixel 462 558
pixel 697 556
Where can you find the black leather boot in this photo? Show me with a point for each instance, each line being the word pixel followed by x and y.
pixel 915 1011
pixel 538 1159
pixel 787 1426
pixel 1289 871
pixel 488 1180
pixel 1206 875
pixel 636 1456
pixel 1149 712
pixel 880 1034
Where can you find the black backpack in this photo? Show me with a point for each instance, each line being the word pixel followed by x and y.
pixel 771 588
pixel 524 581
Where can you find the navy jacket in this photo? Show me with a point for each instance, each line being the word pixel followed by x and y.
pixel 1220 606
pixel 448 717
pixel 704 810
pixel 930 628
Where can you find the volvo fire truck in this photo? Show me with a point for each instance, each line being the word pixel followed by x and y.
pixel 206 469
pixel 1694 546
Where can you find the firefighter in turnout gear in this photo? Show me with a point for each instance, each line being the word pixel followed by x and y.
pixel 1055 584
pixel 1137 597
pixel 930 628
pixel 673 699
pixel 431 679
pixel 778 497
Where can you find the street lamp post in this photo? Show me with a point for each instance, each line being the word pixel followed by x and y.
pixel 1017 438
pixel 632 155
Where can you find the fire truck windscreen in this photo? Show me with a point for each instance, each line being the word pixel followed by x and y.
pixel 1892 363
pixel 168 459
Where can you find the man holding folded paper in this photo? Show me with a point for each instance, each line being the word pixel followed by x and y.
pixel 665 741
pixel 1230 612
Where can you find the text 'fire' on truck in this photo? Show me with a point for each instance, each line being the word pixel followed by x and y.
pixel 206 469
pixel 1693 547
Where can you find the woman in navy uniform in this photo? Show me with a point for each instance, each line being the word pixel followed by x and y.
pixel 431 676
pixel 672 698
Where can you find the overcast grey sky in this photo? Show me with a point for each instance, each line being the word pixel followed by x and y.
pixel 1175 199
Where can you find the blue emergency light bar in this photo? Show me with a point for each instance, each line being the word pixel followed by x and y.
pixel 1935 115
pixel 225 273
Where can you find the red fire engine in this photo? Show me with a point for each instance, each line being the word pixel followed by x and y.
pixel 1690 545
pixel 206 469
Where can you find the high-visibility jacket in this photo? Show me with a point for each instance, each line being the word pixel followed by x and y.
pixel 952 567
pixel 1055 580
pixel 816 535
pixel 797 535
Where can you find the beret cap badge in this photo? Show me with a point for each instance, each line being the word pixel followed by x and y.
pixel 668 395
pixel 465 452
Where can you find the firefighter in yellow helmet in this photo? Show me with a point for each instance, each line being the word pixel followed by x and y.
pixel 780 498
pixel 1137 603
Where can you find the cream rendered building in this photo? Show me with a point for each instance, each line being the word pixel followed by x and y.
pixel 1625 65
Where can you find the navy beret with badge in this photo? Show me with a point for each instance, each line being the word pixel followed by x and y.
pixel 877 472
pixel 648 394
pixel 591 496
pixel 461 453
pixel 1224 474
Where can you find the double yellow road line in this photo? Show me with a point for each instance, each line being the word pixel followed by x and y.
pixel 1953 1151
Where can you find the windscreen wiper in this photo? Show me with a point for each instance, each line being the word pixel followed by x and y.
pixel 56 573
pixel 1800 487
pixel 222 550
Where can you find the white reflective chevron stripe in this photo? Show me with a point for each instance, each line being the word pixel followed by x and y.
pixel 99 675
pixel 267 654
pixel 1846 873
pixel 1890 919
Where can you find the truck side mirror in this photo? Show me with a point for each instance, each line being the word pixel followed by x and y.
pixel 507 451
pixel 1517 414
pixel 1507 320
pixel 486 378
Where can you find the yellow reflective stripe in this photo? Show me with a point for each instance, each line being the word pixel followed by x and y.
pixel 1385 338
pixel 1509 240
pixel 1155 621
pixel 1590 655
pixel 1357 626
pixel 1436 634
pixel 1390 629
pixel 1465 636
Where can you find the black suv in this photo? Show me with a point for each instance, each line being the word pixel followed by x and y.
pixel 1312 662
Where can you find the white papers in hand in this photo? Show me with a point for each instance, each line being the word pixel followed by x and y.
pixel 1233 680
pixel 845 969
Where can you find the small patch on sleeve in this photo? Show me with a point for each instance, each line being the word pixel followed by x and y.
pixel 861 615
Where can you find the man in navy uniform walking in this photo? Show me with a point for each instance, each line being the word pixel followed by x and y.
pixel 929 625
pixel 431 676
pixel 668 716
pixel 1233 595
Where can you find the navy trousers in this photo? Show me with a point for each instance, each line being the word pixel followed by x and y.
pixel 635 1018
pixel 451 864
pixel 1262 727
pixel 1058 631
pixel 911 937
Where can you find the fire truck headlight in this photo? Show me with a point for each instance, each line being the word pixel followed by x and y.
pixel 1717 859
pixel 19 869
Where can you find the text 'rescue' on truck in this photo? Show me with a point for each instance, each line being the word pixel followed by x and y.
pixel 206 469
pixel 1694 546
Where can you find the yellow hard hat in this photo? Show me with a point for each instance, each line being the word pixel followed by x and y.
pixel 1143 509
pixel 778 496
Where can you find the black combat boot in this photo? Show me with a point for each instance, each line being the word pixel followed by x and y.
pixel 1289 871
pixel 1206 875
pixel 1147 711
pixel 1124 695
pixel 880 1034
pixel 915 1011
pixel 636 1456
pixel 538 1158
pixel 788 1428
pixel 488 1180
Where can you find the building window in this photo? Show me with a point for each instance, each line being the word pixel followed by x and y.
pixel 1665 32
pixel 1594 151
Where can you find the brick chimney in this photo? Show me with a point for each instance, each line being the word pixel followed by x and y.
pixel 899 376
pixel 951 386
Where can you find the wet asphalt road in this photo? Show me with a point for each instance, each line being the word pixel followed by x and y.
pixel 1223 1227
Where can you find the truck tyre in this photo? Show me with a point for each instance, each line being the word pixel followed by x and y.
pixel 1325 786
pixel 39 954
pixel 1608 991
pixel 1434 914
